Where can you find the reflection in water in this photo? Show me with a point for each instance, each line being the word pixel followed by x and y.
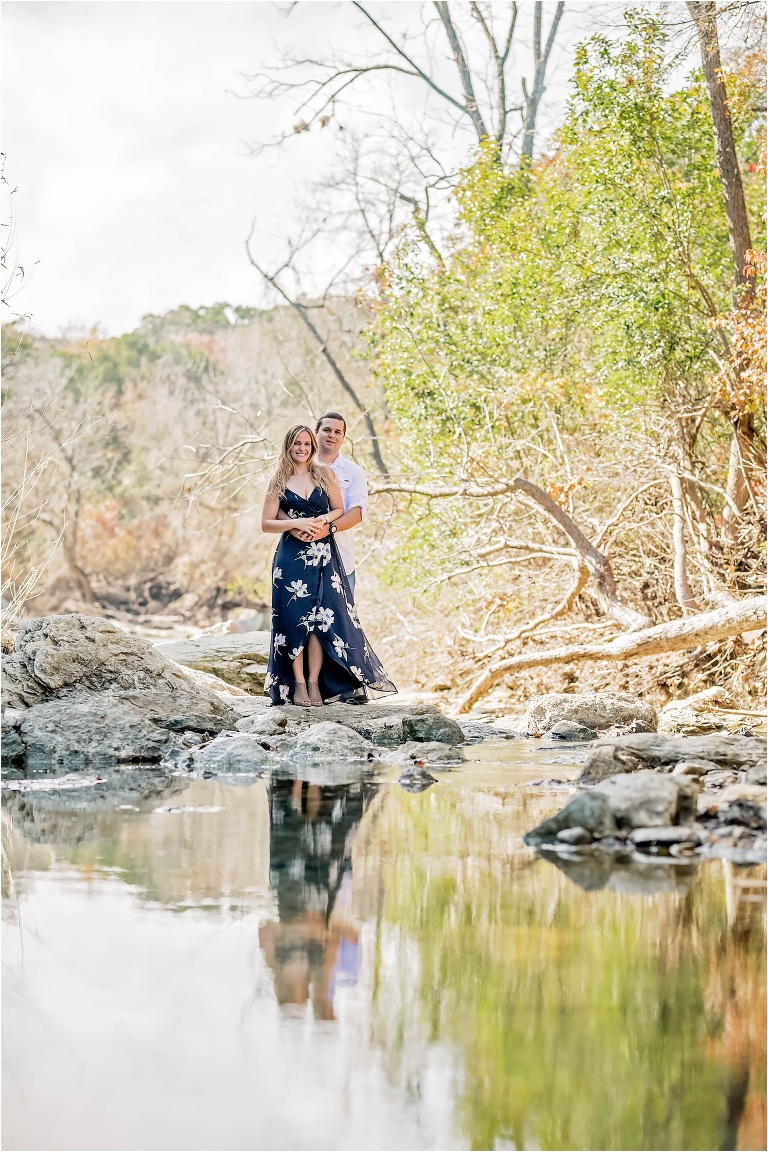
pixel 173 954
pixel 314 945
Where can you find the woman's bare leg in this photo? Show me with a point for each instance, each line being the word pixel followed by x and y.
pixel 300 696
pixel 315 656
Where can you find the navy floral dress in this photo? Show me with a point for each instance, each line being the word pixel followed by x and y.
pixel 310 593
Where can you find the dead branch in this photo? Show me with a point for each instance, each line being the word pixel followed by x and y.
pixel 606 592
pixel 683 594
pixel 322 344
pixel 675 636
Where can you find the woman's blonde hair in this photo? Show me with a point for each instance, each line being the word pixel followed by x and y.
pixel 285 467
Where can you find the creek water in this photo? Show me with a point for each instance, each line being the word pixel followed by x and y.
pixel 328 961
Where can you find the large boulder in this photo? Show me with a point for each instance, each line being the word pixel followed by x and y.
pixel 591 709
pixel 240 660
pixel 78 690
pixel 85 656
pixel 649 750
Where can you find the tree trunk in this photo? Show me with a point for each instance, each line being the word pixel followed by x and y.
pixel 704 15
pixel 673 637
pixel 683 593
pixel 737 484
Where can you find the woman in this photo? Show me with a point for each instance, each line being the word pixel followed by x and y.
pixel 318 652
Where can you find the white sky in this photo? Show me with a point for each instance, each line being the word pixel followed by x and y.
pixel 128 147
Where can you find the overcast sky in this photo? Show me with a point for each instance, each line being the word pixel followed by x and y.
pixel 127 145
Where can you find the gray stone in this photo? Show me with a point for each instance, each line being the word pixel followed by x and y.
pixel 91 732
pixel 745 813
pixel 645 750
pixel 85 657
pixel 475 731
pixel 11 745
pixel 386 725
pixel 592 709
pixel 239 752
pixel 588 810
pixel 755 793
pixel 666 834
pixel 429 752
pixel 757 774
pixel 575 836
pixel 416 779
pixel 646 799
pixel 720 779
pixel 509 726
pixel 240 659
pixel 695 768
pixel 271 723
pixel 329 741
pixel 568 730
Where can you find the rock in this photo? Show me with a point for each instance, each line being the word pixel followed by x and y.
pixel 238 752
pixel 209 681
pixel 689 717
pixel 665 834
pixel 82 733
pixel 416 780
pixel 695 768
pixel 645 799
pixel 591 709
pixel 11 745
pixel 575 836
pixel 271 723
pixel 476 731
pixel 720 779
pixel 628 753
pixel 587 810
pixel 756 775
pixel 509 726
pixel 567 730
pixel 330 741
pixel 755 793
pixel 429 752
pixel 86 657
pixel 240 659
pixel 745 813
pixel 387 725
pixel 222 628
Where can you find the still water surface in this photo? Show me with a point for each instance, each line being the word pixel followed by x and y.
pixel 336 963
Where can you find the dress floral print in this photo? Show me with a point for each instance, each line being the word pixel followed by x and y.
pixel 310 593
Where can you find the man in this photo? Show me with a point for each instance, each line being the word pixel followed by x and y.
pixel 330 431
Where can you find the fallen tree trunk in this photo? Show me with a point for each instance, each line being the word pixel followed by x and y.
pixel 672 637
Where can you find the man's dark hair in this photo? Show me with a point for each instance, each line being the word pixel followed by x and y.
pixel 331 416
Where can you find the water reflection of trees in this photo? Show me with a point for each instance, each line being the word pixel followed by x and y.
pixel 314 945
pixel 581 1019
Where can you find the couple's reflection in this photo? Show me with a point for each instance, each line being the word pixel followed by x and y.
pixel 314 947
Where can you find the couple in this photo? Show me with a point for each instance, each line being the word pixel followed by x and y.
pixel 318 651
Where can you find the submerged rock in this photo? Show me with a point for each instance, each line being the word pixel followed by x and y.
pixel 591 709
pixel 416 779
pixel 577 835
pixel 430 752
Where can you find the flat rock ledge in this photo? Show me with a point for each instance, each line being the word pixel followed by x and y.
pixel 239 660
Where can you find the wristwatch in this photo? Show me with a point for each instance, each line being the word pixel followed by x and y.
pixel 332 529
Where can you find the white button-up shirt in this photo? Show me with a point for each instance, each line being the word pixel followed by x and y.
pixel 354 493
